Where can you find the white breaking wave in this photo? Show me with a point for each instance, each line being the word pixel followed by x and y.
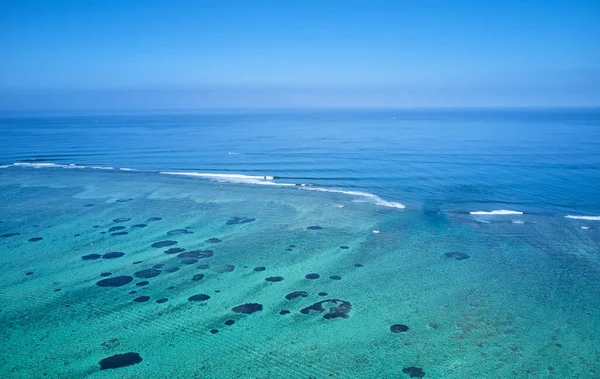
pixel 38 165
pixel 497 212
pixel 589 218
pixel 232 178
pixel 373 198
pixel 102 168
pixel 5 166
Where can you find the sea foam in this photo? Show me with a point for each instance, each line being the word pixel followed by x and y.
pixel 368 196
pixel 231 178
pixel 497 212
pixel 589 218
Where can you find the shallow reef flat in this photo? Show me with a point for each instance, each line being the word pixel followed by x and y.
pixel 125 274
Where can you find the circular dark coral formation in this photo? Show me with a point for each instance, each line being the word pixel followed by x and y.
pixel 139 225
pixel 147 273
pixel 106 274
pixel 203 267
pixel 199 297
pixel 165 243
pixel 162 300
pixel 239 220
pixel 284 312
pixel 459 256
pixel 120 360
pixel 113 254
pixel 119 234
pixel 335 277
pixel 57 289
pixel 398 328
pixel 132 292
pixel 189 261
pixel 340 309
pixel 289 249
pixel 141 299
pixel 91 257
pixel 223 268
pixel 314 227
pixel 197 254
pixel 312 276
pixel 198 277
pixel 229 322
pixel 214 331
pixel 259 269
pixel 121 219
pixel 29 273
pixel 6 235
pixel 35 239
pixel 274 279
pixel 174 250
pixel 155 219
pixel 344 247
pixel 358 265
pixel 177 232
pixel 142 283
pixel 414 372
pixel 158 266
pixel 248 308
pixel 296 294
pixel 322 294
pixel 172 269
pixel 213 240
pixel 116 281
pixel 116 228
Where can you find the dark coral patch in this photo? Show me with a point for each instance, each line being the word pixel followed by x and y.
pixel 340 310
pixel 223 268
pixel 358 265
pixel 119 234
pixel 213 240
pixel 296 294
pixel 124 200
pixel 248 308
pixel 292 246
pixel 162 300
pixel 229 322
pixel 459 256
pixel 414 372
pixel 147 273
pixel 284 312
pixel 214 331
pixel 289 249
pixel 120 360
pixel 139 226
pixel 260 268
pixel 189 261
pixel 312 276
pixel 177 232
pixel 116 228
pixel 6 235
pixel 141 299
pixel 197 254
pixel 172 269
pixel 90 257
pixel 165 243
pixel 155 219
pixel 35 239
pixel 116 281
pixel 174 250
pixel 132 292
pixel 335 277
pixel 106 274
pixel 239 220
pixel 274 279
pixel 142 283
pixel 203 267
pixel 29 273
pixel 137 262
pixel 158 266
pixel 121 219
pixel 344 247
pixel 199 297
pixel 198 277
pixel 113 254
pixel 314 227
pixel 322 294
pixel 88 205
pixel 398 328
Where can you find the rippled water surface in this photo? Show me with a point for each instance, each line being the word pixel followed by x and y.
pixel 305 243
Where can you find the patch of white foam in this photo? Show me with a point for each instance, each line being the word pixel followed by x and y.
pixel 72 165
pixel 232 178
pixel 232 153
pixel 37 165
pixel 517 222
pixel 126 169
pixel 585 227
pixel 102 168
pixel 5 166
pixel 371 197
pixel 497 212
pixel 589 218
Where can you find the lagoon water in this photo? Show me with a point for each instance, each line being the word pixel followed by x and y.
pixel 396 244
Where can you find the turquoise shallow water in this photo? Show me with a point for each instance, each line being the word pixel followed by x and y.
pixel 520 301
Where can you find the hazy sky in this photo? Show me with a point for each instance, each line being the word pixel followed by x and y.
pixel 123 54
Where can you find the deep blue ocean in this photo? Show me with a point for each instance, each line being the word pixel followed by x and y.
pixel 301 244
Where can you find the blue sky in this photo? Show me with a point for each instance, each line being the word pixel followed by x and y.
pixel 196 54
